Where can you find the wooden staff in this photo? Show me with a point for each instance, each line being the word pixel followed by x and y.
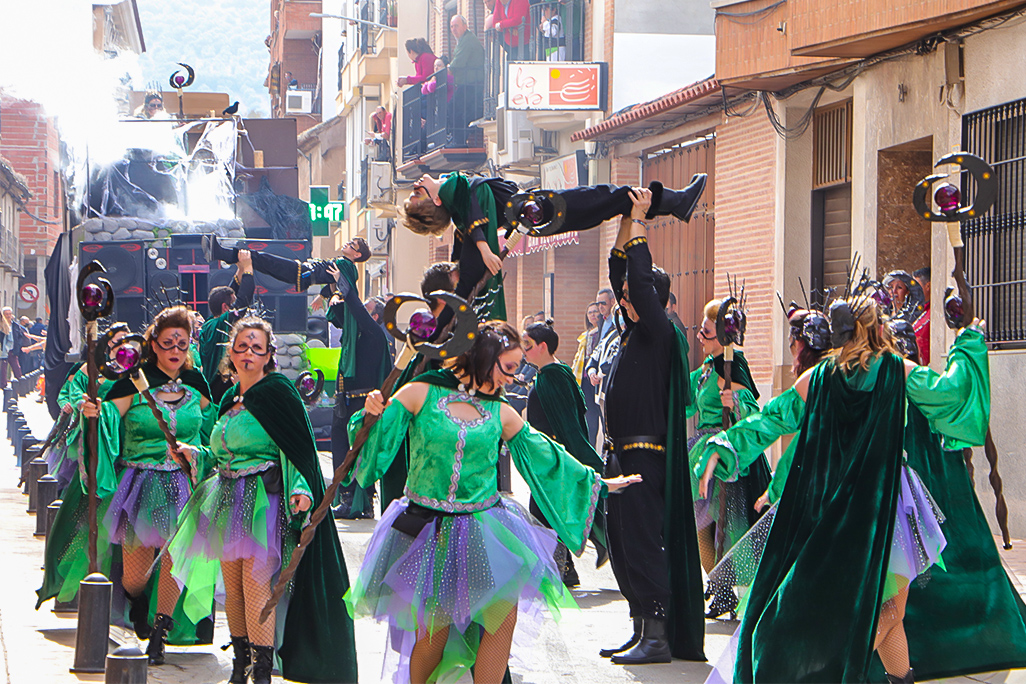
pixel 92 443
pixel 402 360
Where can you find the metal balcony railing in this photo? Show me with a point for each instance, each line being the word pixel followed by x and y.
pixel 551 31
pixel 437 114
pixel 10 250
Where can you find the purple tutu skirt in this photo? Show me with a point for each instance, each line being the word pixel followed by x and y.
pixel 462 571
pixel 918 539
pixel 145 507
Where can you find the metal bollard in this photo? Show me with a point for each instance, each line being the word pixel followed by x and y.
pixel 37 468
pixel 8 395
pixel 19 438
pixel 46 494
pixel 12 413
pixel 126 665
pixel 28 457
pixel 93 633
pixel 29 449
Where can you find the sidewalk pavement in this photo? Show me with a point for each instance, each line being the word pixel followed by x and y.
pixel 38 646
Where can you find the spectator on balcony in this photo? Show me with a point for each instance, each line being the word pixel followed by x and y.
pixel 468 68
pixel 423 58
pixel 381 133
pixel 152 107
pixel 511 17
pixel 553 39
pixel 489 20
pixel 431 85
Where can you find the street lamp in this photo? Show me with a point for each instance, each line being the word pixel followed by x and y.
pixel 357 21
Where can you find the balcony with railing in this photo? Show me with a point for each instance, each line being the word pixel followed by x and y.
pixel 10 250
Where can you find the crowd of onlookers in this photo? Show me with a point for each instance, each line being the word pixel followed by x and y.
pixel 21 345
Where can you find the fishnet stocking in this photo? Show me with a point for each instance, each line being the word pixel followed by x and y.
pixel 707 547
pixel 891 644
pixel 167 588
pixel 136 561
pixel 234 603
pixel 427 653
pixel 493 653
pixel 256 590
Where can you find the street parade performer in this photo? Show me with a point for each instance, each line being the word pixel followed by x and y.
pixel 653 544
pixel 244 521
pixel 227 304
pixel 478 208
pixel 63 455
pixel 370 365
pixel 555 408
pixel 453 565
pixel 729 511
pixel 151 487
pixel 875 526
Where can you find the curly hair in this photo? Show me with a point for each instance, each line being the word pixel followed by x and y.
pixel 493 339
pixel 424 217
pixel 870 339
pixel 226 367
pixel 807 357
pixel 172 317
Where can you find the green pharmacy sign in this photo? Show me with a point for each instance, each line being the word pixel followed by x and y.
pixel 323 211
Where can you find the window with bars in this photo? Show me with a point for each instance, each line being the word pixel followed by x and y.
pixel 831 145
pixel 996 241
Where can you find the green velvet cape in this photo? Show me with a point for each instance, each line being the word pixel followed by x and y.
pixel 563 402
pixel 968 618
pixel 318 645
pixel 156 377
pixel 347 324
pixel 686 612
pixel 813 606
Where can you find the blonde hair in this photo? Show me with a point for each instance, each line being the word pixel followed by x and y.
pixel 712 309
pixel 5 327
pixel 870 339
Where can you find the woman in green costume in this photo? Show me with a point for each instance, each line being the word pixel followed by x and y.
pixel 855 524
pixel 244 521
pixel 151 487
pixel 555 408
pixel 453 565
pixel 729 511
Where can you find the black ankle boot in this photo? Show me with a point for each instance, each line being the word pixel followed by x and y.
pixel 653 647
pixel 263 662
pixel 139 614
pixel 679 203
pixel 724 601
pixel 161 626
pixel 635 638
pixel 240 663
pixel 909 678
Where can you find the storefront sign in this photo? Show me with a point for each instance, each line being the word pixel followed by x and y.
pixel 555 85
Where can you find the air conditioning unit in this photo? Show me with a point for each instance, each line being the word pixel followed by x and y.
pixel 518 136
pixel 379 184
pixel 298 101
pixel 377 235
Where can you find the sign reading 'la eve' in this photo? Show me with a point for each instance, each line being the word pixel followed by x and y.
pixel 556 85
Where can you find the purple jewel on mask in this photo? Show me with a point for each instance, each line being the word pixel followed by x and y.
pixel 532 213
pixel 423 324
pixel 948 198
pixel 307 384
pixel 92 295
pixel 882 297
pixel 731 325
pixel 126 356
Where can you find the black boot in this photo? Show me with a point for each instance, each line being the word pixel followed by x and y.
pixel 139 614
pixel 635 638
pixel 679 203
pixel 909 678
pixel 240 663
pixel 161 626
pixel 653 647
pixel 213 251
pixel 263 662
pixel 724 601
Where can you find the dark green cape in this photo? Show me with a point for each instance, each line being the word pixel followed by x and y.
pixel 968 618
pixel 213 339
pixel 318 644
pixel 739 371
pixel 563 402
pixel 347 324
pixel 686 623
pixel 813 606
pixel 156 377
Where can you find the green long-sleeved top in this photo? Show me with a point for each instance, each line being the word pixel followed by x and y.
pixel 453 463
pixel 240 446
pixel 956 403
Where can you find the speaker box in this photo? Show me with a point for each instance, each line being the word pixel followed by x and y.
pixel 125 265
pixel 287 249
pixel 289 312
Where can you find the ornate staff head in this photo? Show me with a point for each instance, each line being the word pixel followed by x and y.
pixel 95 300
pixel 958 308
pixel 536 212
pixel 124 358
pixel 179 80
pixel 423 325
pixel 310 388
pixel 731 320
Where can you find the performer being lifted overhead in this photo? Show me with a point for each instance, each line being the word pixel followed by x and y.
pixel 479 207
pixel 227 304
